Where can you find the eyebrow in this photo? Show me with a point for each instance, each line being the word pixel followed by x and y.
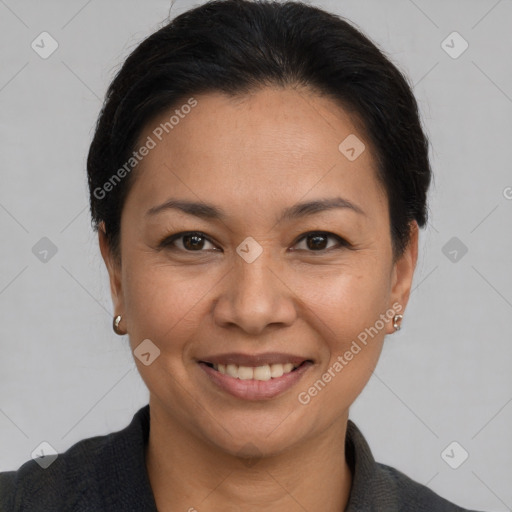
pixel 208 211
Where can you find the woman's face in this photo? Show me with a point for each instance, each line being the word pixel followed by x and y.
pixel 265 276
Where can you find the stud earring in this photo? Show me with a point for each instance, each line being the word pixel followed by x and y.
pixel 396 319
pixel 115 325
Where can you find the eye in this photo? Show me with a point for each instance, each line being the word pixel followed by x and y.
pixel 194 241
pixel 316 241
pixel 190 241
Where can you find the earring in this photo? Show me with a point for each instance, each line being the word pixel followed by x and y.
pixel 396 319
pixel 115 325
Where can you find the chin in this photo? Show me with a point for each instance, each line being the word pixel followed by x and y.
pixel 265 437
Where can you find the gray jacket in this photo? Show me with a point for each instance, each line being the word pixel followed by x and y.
pixel 108 473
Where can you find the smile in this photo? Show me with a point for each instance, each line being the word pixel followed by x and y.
pixel 255 382
pixel 265 372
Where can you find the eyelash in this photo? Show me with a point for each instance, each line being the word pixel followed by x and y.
pixel 168 243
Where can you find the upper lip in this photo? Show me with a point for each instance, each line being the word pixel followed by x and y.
pixel 254 359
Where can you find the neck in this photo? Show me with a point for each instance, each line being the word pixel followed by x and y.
pixel 187 473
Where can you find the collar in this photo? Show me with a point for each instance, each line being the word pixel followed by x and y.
pixel 372 488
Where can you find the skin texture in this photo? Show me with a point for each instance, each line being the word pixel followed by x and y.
pixel 253 156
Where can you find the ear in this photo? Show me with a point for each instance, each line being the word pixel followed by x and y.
pixel 114 270
pixel 403 273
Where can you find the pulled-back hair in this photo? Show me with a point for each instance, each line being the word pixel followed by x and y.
pixel 237 46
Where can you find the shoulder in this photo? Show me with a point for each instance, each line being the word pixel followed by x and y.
pixel 412 495
pixel 378 487
pixel 67 481
pixel 99 473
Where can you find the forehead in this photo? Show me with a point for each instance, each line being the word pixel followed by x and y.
pixel 272 145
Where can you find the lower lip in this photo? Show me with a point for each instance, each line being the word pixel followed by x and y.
pixel 253 389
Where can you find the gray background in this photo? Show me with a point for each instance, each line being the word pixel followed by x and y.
pixel 64 374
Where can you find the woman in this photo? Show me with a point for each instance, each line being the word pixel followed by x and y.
pixel 258 177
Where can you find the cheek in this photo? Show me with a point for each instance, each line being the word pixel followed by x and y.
pixel 348 298
pixel 166 305
pixel 352 336
pixel 346 310
pixel 163 302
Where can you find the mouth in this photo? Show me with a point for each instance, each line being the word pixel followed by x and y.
pixel 259 378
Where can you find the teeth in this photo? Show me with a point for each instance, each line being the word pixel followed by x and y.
pixel 231 370
pixel 265 372
pixel 276 370
pixel 262 373
pixel 245 372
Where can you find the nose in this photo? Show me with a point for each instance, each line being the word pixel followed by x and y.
pixel 254 296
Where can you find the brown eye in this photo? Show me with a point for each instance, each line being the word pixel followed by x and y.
pixel 189 241
pixel 318 241
pixel 193 242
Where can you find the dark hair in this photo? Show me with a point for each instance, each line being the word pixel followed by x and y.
pixel 237 46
